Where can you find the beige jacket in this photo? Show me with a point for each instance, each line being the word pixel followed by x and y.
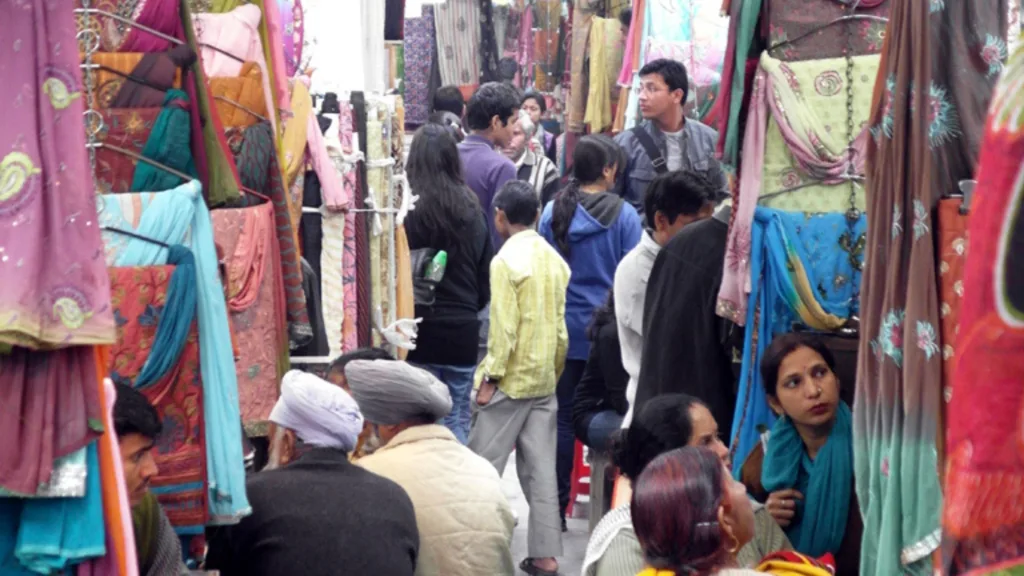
pixel 464 520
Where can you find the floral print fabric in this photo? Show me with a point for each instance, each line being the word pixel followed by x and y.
pixel 797 27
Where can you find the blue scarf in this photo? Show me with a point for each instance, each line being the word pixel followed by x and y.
pixel 826 482
pixel 168 144
pixel 175 320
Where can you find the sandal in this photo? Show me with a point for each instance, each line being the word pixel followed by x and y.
pixel 530 568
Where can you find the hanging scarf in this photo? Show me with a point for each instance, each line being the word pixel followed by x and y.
pixel 168 144
pixel 789 563
pixel 175 322
pixel 826 482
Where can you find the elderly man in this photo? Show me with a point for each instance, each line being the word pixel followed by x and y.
pixel 314 513
pixel 531 167
pixel 464 520
pixel 137 424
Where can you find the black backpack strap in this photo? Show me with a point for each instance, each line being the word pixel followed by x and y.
pixel 647 142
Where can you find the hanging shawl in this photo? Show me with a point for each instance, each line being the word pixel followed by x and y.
pixel 180 216
pixel 174 325
pixel 744 21
pixel 245 91
pixel 168 144
pixel 809 271
pixel 159 72
pixel 817 152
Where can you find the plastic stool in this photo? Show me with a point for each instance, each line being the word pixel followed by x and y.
pixel 579 484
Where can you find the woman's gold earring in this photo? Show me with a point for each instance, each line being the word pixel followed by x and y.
pixel 735 546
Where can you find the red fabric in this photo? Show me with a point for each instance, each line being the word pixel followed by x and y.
pixel 127 128
pixel 984 511
pixel 138 295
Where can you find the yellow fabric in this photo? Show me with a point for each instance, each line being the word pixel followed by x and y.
pixel 785 568
pixel 527 341
pixel 293 143
pixel 405 307
pixel 245 89
pixel 605 59
pixel 653 572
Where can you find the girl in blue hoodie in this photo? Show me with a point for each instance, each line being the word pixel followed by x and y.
pixel 593 229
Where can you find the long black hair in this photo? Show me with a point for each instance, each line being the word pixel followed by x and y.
pixel 602 316
pixel 446 207
pixel 592 155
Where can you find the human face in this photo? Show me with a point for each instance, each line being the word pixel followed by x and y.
pixel 139 465
pixel 808 390
pixel 517 144
pixel 656 100
pixel 337 377
pixel 533 109
pixel 736 515
pixel 501 225
pixel 706 434
pixel 501 134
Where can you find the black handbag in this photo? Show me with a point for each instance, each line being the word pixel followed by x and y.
pixel 422 287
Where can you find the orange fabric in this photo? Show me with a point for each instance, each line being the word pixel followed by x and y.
pixel 111 503
pixel 106 84
pixel 405 307
pixel 245 89
pixel 622 493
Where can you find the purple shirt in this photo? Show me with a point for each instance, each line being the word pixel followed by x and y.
pixel 486 171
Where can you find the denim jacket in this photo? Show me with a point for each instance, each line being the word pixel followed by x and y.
pixel 698 154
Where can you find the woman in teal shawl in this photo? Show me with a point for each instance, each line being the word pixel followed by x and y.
pixel 803 469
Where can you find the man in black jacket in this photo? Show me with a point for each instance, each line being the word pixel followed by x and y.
pixel 687 347
pixel 314 513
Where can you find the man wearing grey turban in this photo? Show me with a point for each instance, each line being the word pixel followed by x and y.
pixel 464 520
pixel 312 510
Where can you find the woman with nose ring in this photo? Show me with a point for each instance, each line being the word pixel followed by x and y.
pixel 803 469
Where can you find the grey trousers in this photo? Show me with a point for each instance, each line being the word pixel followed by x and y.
pixel 529 427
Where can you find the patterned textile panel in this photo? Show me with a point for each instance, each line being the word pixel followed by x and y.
pixel 127 128
pixel 106 84
pixel 258 327
pixel 788 20
pixel 138 294
pixel 377 181
pixel 246 90
pixel 420 41
pixel 458 43
pixel 822 83
pixel 346 133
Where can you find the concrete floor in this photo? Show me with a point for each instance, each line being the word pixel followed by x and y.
pixel 574 542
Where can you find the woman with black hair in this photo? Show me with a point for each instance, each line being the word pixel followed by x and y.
pixel 593 229
pixel 600 404
pixel 448 217
pixel 666 423
pixel 534 105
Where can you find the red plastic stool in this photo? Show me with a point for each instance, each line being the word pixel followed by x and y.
pixel 579 485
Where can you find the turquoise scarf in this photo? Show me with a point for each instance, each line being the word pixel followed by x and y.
pixel 168 144
pixel 826 482
pixel 175 320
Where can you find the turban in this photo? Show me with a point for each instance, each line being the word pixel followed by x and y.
pixel 321 414
pixel 390 392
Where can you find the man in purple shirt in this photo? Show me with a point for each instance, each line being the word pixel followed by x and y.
pixel 490 115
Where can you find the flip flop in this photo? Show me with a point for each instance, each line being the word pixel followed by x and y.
pixel 530 568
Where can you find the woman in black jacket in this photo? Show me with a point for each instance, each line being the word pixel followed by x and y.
pixel 600 402
pixel 448 217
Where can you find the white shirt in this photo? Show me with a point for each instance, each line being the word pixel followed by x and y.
pixel 674 142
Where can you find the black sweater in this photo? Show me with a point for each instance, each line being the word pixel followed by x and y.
pixel 603 385
pixel 449 333
pixel 319 515
pixel 687 347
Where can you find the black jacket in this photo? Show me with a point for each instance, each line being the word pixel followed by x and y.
pixel 687 347
pixel 320 515
pixel 449 333
pixel 603 385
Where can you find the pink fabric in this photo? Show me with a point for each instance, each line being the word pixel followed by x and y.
pixel 626 74
pixel 130 559
pixel 160 15
pixel 236 32
pixel 526 39
pixel 332 190
pixel 272 14
pixel 349 333
pixel 736 281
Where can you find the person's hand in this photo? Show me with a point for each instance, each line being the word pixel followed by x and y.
pixel 782 506
pixel 485 393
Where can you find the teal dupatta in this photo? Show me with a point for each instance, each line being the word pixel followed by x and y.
pixel 825 482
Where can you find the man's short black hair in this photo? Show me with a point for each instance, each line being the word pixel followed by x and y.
pixel 449 99
pixel 538 98
pixel 518 200
pixel 339 363
pixel 490 100
pixel 677 193
pixel 133 414
pixel 672 72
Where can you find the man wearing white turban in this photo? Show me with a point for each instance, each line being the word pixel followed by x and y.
pixel 312 510
pixel 465 522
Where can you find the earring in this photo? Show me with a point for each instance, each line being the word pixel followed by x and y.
pixel 734 546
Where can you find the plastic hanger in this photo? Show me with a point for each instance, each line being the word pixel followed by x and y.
pixel 240 107
pixel 135 235
pixel 129 22
pixel 184 177
pixel 815 30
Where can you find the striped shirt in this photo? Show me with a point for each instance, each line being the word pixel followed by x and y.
pixel 527 340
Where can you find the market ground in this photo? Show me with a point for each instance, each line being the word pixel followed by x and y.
pixel 574 542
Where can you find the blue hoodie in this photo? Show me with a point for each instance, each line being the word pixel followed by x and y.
pixel 603 230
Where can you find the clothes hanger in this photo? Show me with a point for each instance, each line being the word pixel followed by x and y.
pixel 221 51
pixel 128 22
pixel 816 29
pixel 135 235
pixel 127 76
pixel 184 177
pixel 240 107
pixel 855 178
pixel 966 194
pixel 255 193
